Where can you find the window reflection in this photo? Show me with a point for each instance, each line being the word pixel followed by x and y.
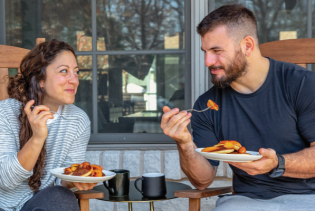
pixel 58 19
pixel 274 17
pixel 141 25
pixel 133 89
pixel 83 97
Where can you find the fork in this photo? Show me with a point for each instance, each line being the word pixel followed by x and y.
pixel 191 110
pixel 53 112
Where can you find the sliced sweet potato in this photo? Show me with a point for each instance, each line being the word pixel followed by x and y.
pixel 210 149
pixel 97 167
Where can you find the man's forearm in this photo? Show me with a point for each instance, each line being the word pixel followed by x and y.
pixel 300 164
pixel 199 171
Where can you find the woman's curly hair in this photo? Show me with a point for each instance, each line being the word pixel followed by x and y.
pixel 25 86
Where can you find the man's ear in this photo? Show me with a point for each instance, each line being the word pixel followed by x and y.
pixel 249 45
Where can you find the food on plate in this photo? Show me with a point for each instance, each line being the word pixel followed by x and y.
pixel 227 147
pixel 212 105
pixel 84 169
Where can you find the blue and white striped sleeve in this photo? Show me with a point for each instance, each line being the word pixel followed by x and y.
pixel 12 174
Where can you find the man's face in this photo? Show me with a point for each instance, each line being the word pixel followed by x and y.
pixel 225 61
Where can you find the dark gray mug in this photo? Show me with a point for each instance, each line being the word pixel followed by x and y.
pixel 119 185
pixel 153 185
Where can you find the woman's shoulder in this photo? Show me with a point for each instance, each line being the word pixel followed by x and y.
pixel 75 112
pixel 10 105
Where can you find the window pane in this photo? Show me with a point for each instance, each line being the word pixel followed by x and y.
pixel 83 97
pixel 133 89
pixel 50 19
pixel 278 19
pixel 140 25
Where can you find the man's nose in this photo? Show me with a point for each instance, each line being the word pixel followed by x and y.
pixel 210 59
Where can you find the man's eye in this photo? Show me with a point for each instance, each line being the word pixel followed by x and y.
pixel 217 51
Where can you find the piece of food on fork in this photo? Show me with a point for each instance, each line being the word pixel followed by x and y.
pixel 212 105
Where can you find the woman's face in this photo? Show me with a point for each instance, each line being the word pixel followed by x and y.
pixel 61 81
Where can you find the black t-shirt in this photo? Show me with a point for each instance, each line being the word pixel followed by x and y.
pixel 279 115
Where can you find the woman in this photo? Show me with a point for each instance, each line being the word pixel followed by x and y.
pixel 33 140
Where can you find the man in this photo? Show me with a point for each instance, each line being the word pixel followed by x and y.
pixel 266 105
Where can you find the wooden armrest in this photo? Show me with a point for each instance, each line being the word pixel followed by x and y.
pixel 89 194
pixel 197 194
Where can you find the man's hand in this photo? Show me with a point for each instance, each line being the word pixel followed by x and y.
pixel 264 165
pixel 174 124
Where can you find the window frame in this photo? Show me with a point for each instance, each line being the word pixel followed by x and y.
pixel 133 138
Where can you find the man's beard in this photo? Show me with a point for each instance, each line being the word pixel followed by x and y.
pixel 236 69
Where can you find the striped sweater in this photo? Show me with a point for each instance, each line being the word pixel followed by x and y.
pixel 65 144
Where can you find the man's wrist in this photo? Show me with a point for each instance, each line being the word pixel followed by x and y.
pixel 280 168
pixel 186 146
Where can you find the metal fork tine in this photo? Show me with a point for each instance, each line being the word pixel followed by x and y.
pixel 191 110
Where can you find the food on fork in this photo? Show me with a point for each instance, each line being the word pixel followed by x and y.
pixel 212 105
pixel 227 147
pixel 84 169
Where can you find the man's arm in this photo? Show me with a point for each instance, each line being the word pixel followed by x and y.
pixel 300 164
pixel 199 171
pixel 297 165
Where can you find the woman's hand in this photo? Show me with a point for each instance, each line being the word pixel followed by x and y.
pixel 80 186
pixel 37 118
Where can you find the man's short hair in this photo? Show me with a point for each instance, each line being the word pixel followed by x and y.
pixel 239 21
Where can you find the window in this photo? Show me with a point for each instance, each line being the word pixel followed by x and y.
pixel 279 19
pixel 133 57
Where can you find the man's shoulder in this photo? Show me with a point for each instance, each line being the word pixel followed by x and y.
pixel 290 71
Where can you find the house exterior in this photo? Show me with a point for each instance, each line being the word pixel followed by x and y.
pixel 136 57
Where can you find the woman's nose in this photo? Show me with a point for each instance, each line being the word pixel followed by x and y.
pixel 73 79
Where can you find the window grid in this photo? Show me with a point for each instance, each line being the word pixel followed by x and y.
pixel 131 137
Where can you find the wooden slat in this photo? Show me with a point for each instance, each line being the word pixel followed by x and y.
pixel 4 72
pixel 11 57
pixel 194 204
pixel 84 204
pixel 40 40
pixel 298 51
pixel 197 194
pixel 302 65
pixel 89 194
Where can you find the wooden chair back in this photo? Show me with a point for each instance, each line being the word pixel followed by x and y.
pixel 297 51
pixel 11 57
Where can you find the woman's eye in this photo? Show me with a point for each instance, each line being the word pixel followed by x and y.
pixel 63 71
pixel 77 72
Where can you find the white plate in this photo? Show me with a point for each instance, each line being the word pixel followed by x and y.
pixel 58 172
pixel 231 157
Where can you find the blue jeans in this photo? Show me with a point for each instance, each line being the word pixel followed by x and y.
pixel 289 202
pixel 54 198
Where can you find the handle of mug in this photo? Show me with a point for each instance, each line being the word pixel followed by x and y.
pixel 137 186
pixel 108 188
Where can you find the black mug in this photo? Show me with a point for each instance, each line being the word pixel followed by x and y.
pixel 153 185
pixel 119 185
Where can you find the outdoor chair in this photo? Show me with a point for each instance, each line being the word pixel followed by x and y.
pixel 11 57
pixel 297 51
